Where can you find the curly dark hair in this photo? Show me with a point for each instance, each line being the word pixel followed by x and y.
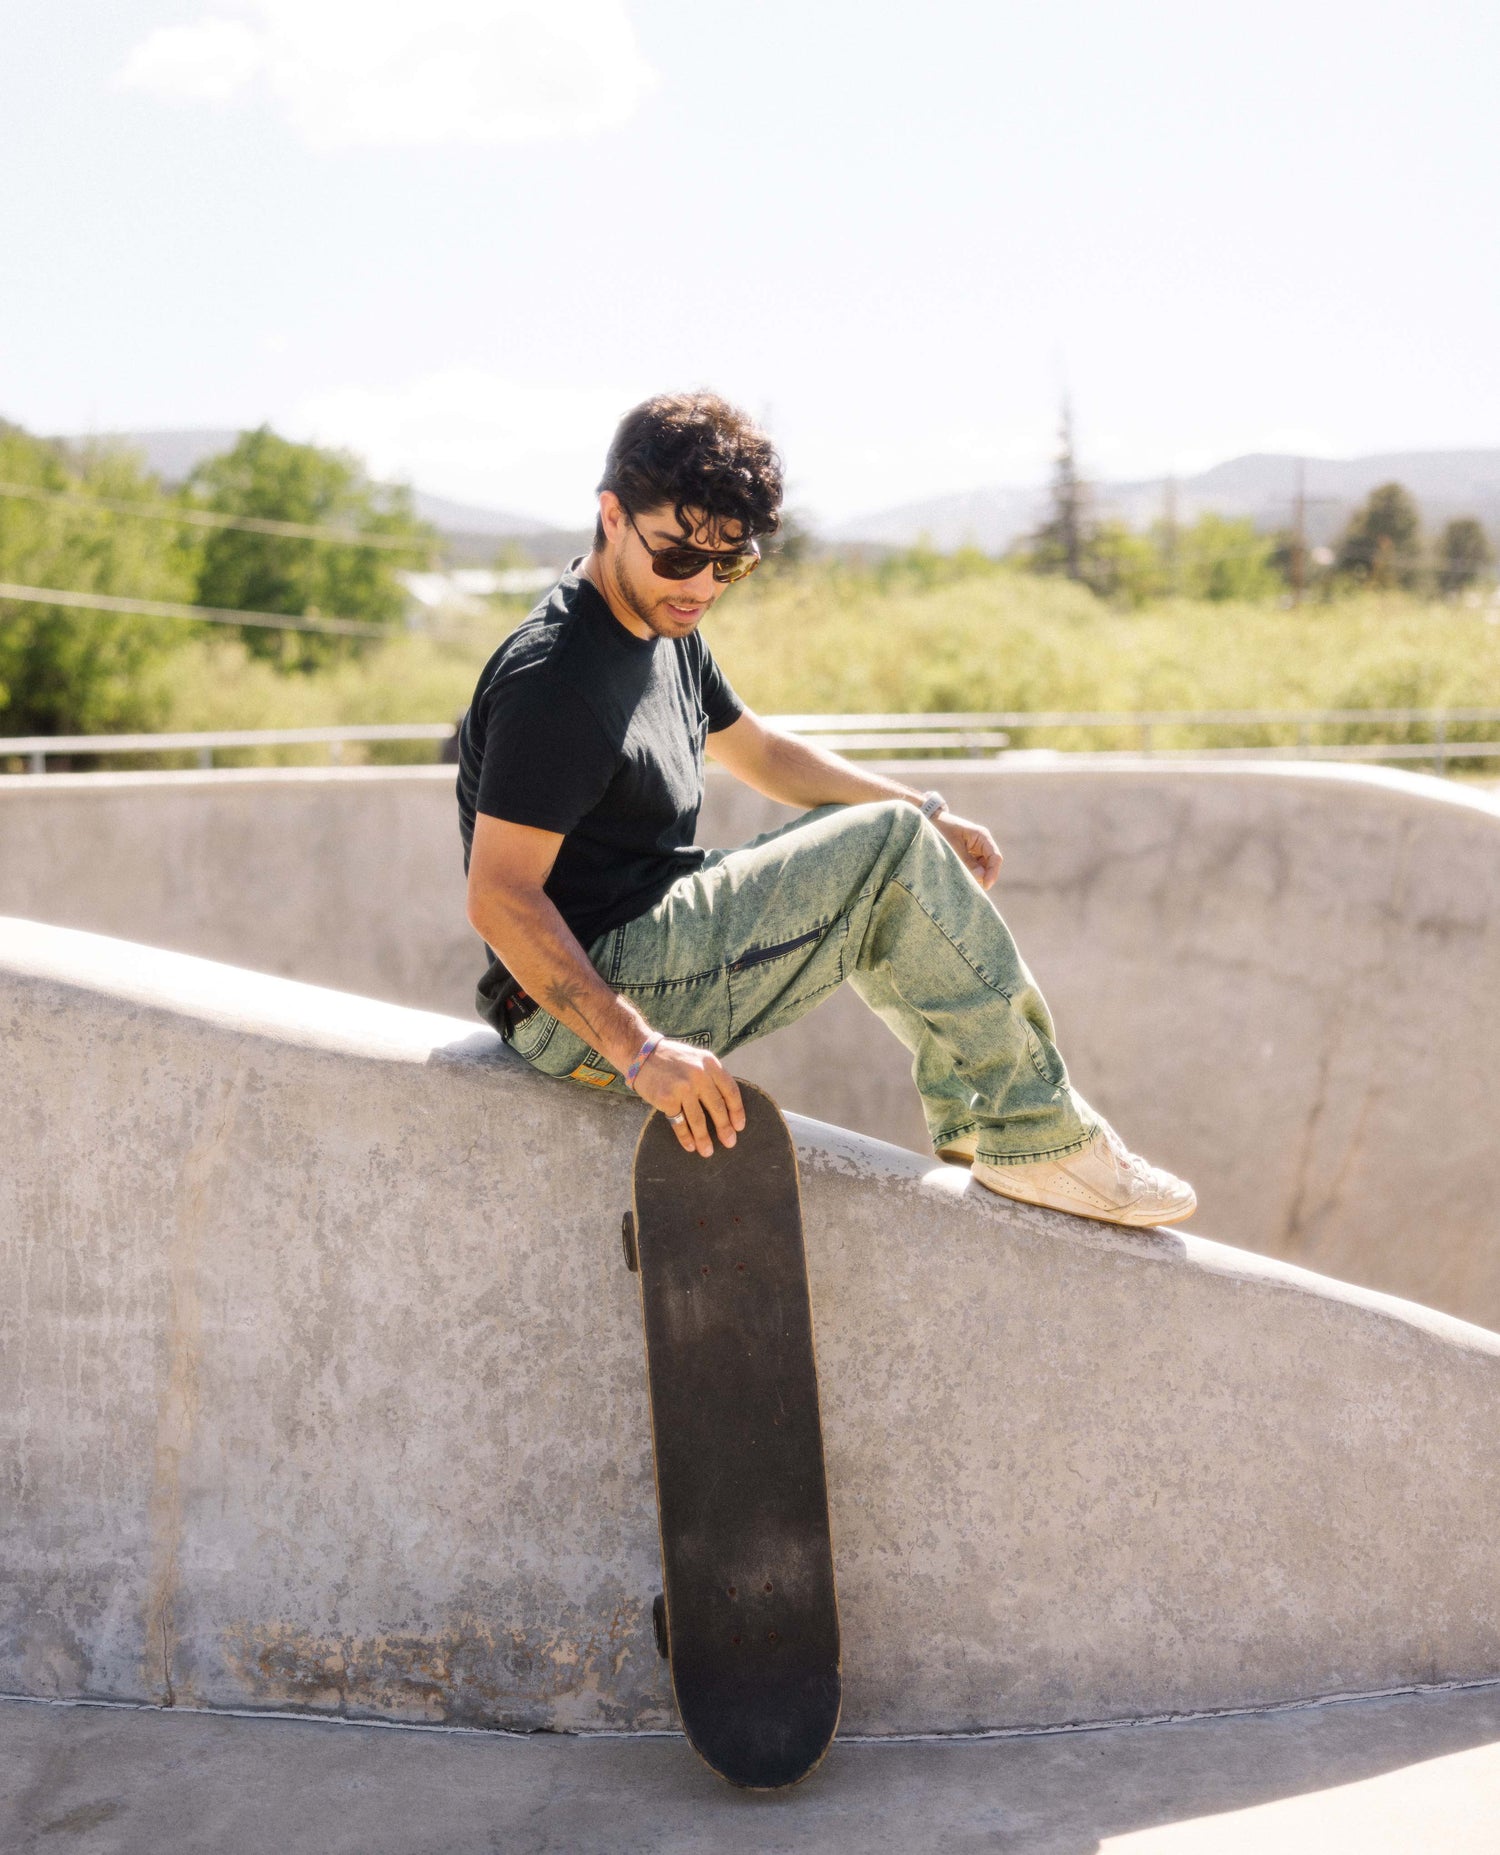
pixel 699 453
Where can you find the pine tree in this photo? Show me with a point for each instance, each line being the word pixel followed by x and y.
pixel 1061 544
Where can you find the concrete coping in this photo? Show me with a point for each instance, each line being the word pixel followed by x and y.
pixel 310 1016
pixel 1427 787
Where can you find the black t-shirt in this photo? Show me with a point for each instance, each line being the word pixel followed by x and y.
pixel 581 727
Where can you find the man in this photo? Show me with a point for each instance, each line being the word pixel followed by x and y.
pixel 626 958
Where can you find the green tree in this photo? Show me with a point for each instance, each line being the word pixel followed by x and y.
pixel 271 478
pixel 1382 544
pixel 1224 558
pixel 72 670
pixel 1464 553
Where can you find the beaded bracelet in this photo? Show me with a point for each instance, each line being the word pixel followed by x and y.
pixel 640 1057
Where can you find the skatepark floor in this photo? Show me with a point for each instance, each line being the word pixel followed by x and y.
pixel 1411 1773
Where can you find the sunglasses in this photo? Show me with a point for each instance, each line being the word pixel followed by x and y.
pixel 685 563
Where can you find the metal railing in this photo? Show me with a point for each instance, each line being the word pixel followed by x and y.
pixel 37 749
pixel 993 730
pixel 946 733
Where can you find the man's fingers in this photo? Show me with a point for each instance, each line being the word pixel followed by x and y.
pixel 987 859
pixel 730 1090
pixel 717 1103
pixel 708 1100
pixel 697 1126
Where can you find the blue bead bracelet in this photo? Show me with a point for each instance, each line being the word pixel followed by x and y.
pixel 640 1057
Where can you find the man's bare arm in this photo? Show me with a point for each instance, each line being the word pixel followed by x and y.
pixel 508 865
pixel 797 773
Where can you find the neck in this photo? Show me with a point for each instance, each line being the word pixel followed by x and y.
pixel 596 570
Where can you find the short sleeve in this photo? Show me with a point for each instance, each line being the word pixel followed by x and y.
pixel 547 761
pixel 721 705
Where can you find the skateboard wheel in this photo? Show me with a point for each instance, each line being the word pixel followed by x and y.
pixel 659 1624
pixel 627 1237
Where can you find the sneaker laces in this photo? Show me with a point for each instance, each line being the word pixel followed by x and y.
pixel 1141 1170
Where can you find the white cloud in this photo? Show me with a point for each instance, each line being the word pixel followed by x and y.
pixel 478 437
pixel 411 72
pixel 205 62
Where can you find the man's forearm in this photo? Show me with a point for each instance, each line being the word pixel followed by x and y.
pixel 797 773
pixel 544 955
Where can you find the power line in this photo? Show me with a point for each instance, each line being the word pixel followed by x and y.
pixel 210 518
pixel 208 614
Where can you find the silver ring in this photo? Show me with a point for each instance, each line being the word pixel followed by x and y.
pixel 677 1119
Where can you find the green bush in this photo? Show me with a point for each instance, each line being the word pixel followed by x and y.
pixel 75 671
pixel 827 638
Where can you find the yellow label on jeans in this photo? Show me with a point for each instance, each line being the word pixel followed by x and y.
pixel 596 1078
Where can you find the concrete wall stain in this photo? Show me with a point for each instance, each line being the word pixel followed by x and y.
pixel 178 1395
pixel 469 1673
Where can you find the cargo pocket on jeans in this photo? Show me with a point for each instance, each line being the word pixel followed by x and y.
pixel 774 984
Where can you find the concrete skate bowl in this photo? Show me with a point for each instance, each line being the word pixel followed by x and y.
pixel 321 1388
pixel 1282 982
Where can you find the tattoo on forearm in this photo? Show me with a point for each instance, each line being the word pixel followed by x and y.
pixel 566 995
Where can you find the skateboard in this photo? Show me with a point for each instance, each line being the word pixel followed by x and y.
pixel 748 1615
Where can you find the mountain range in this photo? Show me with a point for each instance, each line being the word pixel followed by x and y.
pixel 1261 486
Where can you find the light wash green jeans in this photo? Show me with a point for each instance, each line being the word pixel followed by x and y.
pixel 873 894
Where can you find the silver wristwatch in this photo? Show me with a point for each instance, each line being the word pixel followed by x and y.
pixel 932 804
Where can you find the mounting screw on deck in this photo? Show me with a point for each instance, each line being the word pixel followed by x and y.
pixel 659 1624
pixel 627 1238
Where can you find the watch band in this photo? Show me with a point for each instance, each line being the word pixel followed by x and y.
pixel 932 804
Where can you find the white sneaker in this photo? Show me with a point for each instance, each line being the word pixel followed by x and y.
pixel 1104 1180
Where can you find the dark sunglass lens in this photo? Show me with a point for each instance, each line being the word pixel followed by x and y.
pixel 677 563
pixel 726 572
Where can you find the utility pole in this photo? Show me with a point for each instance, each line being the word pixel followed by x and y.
pixel 1067 492
pixel 1298 562
pixel 1169 531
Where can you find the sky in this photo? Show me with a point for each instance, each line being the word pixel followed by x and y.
pixel 462 236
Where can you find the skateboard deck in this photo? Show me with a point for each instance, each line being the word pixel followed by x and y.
pixel 748 1617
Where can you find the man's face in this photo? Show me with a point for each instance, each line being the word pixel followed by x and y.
pixel 668 608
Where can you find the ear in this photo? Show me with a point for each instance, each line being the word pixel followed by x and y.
pixel 611 516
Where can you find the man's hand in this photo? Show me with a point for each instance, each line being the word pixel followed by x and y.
pixel 692 1087
pixel 975 845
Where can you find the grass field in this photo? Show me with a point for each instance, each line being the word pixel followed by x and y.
pixel 933 634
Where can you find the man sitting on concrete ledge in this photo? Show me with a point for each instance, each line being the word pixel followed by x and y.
pixel 628 958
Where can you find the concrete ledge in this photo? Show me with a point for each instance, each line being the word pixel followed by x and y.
pixel 1282 981
pixel 321 1387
